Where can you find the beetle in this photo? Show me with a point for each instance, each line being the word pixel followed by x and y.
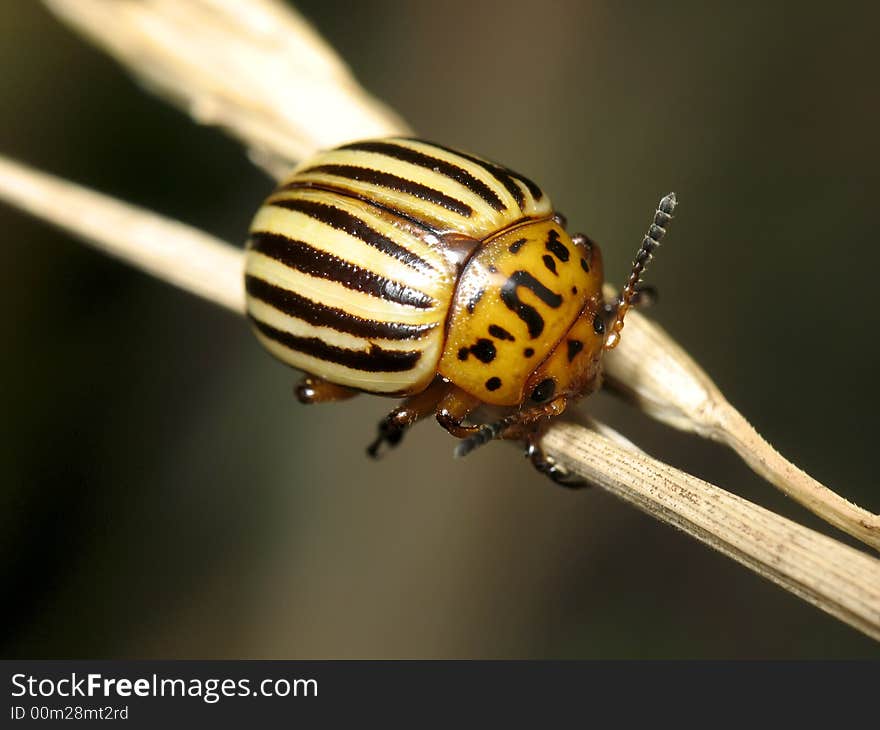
pixel 404 268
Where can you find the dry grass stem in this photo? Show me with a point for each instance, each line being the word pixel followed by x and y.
pixel 838 579
pixel 172 251
pixel 255 68
pixel 653 371
pixel 224 62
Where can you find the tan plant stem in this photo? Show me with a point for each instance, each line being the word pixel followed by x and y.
pixel 798 559
pixel 653 371
pixel 171 251
pixel 255 68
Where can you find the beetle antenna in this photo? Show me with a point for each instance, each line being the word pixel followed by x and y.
pixel 646 252
pixel 486 433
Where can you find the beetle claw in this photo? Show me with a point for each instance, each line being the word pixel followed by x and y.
pixel 391 433
pixel 547 465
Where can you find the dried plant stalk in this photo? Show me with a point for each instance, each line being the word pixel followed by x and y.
pixel 255 68
pixel 225 62
pixel 798 559
pixel 838 579
pixel 177 253
pixel 653 371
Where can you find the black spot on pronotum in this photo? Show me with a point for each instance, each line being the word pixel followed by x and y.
pixel 544 390
pixel 516 245
pixel 584 265
pixel 493 383
pixel 474 300
pixel 574 290
pixel 500 333
pixel 550 263
pixel 463 354
pixel 527 313
pixel 483 350
pixel 528 352
pixel 556 247
pixel 599 324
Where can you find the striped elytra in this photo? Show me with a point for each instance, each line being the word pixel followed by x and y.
pixel 401 267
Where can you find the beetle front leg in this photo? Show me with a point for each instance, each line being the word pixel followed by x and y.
pixel 317 390
pixel 453 409
pixel 547 465
pixel 394 426
pixel 530 432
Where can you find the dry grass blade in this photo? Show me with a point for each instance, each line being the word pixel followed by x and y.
pixel 798 559
pixel 177 253
pixel 836 578
pixel 653 371
pixel 255 68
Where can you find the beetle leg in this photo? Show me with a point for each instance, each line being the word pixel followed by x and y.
pixel 527 426
pixel 453 408
pixel 516 426
pixel 393 427
pixel 317 390
pixel 547 465
pixel 645 297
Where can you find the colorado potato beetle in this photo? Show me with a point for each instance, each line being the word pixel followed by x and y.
pixel 404 268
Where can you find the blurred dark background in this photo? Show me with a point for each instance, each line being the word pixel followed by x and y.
pixel 163 494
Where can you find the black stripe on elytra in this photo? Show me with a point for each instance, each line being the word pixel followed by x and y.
pixel 527 313
pixel 393 182
pixel 374 360
pixel 503 175
pixel 342 220
pixel 556 247
pixel 550 263
pixel 372 202
pixel 536 192
pixel 435 164
pixel 314 262
pixel 321 315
